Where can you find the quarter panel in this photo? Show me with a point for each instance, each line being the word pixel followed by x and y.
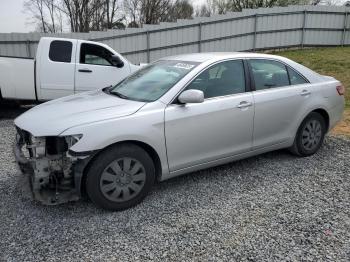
pixel 146 125
pixel 17 78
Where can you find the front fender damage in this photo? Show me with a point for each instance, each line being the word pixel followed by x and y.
pixel 54 175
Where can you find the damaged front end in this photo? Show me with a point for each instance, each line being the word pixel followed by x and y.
pixel 54 173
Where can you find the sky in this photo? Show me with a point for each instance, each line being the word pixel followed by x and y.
pixel 14 19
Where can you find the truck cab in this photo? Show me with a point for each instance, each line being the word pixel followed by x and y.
pixel 62 67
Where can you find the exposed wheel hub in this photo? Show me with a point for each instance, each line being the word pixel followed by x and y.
pixel 123 179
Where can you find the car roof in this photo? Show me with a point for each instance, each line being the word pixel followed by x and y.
pixel 202 57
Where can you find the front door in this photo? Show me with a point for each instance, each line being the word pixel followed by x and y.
pixel 95 70
pixel 219 127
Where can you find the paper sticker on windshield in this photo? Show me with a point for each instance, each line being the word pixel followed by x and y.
pixel 184 66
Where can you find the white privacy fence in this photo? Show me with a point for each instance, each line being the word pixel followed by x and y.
pixel 249 30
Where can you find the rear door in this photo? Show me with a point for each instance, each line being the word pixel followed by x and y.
pixel 55 68
pixel 95 69
pixel 219 127
pixel 281 96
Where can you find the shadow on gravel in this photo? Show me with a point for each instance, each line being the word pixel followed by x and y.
pixel 240 170
pixel 12 111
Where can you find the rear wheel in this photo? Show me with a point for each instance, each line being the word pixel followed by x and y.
pixel 310 135
pixel 120 177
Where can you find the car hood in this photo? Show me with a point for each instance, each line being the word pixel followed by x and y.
pixel 54 117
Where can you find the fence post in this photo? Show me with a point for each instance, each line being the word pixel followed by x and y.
pixel 148 48
pixel 28 48
pixel 255 27
pixel 199 37
pixel 344 29
pixel 303 29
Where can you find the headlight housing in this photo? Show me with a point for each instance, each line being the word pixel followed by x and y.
pixel 37 146
pixel 73 139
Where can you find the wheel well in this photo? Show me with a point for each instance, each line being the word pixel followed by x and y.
pixel 150 150
pixel 324 114
pixel 153 154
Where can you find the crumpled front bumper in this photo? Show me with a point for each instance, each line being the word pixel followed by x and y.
pixel 23 163
pixel 25 167
pixel 46 185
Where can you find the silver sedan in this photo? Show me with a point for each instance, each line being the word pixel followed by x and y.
pixel 177 115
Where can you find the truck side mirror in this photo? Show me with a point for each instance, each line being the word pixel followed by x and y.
pixel 117 61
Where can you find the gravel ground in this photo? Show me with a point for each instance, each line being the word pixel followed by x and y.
pixel 271 207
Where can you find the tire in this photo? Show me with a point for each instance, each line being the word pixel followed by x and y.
pixel 120 177
pixel 310 135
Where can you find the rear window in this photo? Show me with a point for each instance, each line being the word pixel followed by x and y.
pixel 60 51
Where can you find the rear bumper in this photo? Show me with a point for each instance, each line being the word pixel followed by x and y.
pixel 336 115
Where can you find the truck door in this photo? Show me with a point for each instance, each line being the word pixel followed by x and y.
pixel 55 68
pixel 95 69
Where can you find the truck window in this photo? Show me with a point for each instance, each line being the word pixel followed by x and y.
pixel 60 51
pixel 95 55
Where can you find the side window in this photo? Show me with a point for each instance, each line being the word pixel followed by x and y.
pixel 295 78
pixel 222 79
pixel 60 51
pixel 95 55
pixel 268 74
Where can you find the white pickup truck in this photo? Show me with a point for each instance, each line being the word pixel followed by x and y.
pixel 62 67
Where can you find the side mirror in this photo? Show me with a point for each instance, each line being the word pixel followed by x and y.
pixel 191 96
pixel 117 61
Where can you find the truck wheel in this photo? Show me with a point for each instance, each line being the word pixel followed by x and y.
pixel 310 135
pixel 120 177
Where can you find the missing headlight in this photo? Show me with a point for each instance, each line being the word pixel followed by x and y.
pixel 56 145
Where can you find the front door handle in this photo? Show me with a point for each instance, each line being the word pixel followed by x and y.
pixel 85 70
pixel 244 104
pixel 305 93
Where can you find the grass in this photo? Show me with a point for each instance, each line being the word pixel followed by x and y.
pixel 331 61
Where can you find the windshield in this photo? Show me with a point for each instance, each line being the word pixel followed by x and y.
pixel 151 82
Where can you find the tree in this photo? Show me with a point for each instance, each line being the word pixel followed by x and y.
pixel 141 12
pixel 45 15
pixel 154 11
pixel 86 15
pixel 223 6
pixel 181 9
pixel 113 15
pixel 132 10
pixel 36 9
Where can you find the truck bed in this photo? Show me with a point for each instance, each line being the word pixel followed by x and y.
pixel 17 79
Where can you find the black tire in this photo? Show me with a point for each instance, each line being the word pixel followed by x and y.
pixel 299 147
pixel 97 171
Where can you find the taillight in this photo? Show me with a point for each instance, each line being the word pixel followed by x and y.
pixel 341 90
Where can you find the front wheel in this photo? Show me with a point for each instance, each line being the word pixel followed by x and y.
pixel 310 135
pixel 120 177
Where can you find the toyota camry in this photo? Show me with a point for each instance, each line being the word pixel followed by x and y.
pixel 177 115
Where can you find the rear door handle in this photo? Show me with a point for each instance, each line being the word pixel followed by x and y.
pixel 244 104
pixel 305 93
pixel 85 70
